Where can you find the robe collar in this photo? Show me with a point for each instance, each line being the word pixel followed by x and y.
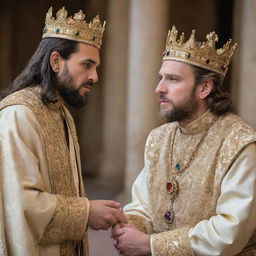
pixel 203 123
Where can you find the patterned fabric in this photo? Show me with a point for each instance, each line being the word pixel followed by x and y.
pixel 175 243
pixel 70 208
pixel 199 184
pixel 140 223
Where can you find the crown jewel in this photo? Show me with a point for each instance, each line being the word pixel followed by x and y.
pixel 204 55
pixel 74 28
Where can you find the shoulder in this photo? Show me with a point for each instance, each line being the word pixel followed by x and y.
pixel 19 118
pixel 236 135
pixel 236 130
pixel 158 137
pixel 28 97
pixel 162 131
pixel 17 112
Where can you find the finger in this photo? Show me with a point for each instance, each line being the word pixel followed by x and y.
pixel 111 203
pixel 117 233
pixel 120 232
pixel 105 225
pixel 116 226
pixel 114 229
pixel 120 217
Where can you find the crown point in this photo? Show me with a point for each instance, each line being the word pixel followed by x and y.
pixel 182 37
pixel 79 15
pixel 48 14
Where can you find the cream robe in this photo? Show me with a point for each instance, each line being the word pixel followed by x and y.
pixel 215 208
pixel 35 220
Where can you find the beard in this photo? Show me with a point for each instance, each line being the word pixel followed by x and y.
pixel 66 88
pixel 182 112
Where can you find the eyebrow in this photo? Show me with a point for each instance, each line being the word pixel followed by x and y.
pixel 91 61
pixel 167 74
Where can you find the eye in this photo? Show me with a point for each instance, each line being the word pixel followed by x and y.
pixel 173 78
pixel 87 65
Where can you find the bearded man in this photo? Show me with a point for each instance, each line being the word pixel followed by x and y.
pixel 197 192
pixel 44 210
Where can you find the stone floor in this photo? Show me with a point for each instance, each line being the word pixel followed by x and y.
pixel 100 243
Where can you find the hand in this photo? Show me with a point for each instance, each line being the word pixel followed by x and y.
pixel 114 233
pixel 104 213
pixel 131 242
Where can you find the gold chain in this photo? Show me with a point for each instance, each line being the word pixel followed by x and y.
pixel 172 185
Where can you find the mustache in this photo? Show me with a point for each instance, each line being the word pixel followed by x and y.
pixel 88 83
pixel 162 97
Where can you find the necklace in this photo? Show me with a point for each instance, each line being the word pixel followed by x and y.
pixel 172 186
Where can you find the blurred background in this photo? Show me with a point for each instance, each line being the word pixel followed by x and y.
pixel 123 107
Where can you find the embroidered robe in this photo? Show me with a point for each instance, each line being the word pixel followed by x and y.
pixel 214 210
pixel 43 208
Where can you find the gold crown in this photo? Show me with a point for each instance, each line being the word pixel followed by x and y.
pixel 74 28
pixel 204 55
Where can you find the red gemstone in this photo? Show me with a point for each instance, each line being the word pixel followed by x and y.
pixel 207 61
pixel 170 187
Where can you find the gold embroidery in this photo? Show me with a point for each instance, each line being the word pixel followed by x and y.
pixel 176 170
pixel 140 223
pixel 216 154
pixel 57 152
pixel 175 243
pixel 63 225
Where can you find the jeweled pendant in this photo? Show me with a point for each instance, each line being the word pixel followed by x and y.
pixel 177 166
pixel 172 187
pixel 168 217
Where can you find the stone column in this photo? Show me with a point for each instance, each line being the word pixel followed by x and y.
pixel 148 30
pixel 244 68
pixel 114 94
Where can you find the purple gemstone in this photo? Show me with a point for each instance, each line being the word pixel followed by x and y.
pixel 168 216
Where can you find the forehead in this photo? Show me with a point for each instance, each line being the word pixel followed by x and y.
pixel 85 51
pixel 176 67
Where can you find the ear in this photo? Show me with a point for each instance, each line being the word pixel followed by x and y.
pixel 205 88
pixel 56 62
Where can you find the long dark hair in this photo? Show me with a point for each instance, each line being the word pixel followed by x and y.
pixel 219 101
pixel 39 71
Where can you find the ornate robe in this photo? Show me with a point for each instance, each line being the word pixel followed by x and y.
pixel 43 210
pixel 215 207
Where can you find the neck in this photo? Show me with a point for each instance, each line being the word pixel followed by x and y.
pixel 195 115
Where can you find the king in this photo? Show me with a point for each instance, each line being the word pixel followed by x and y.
pixel 196 194
pixel 43 207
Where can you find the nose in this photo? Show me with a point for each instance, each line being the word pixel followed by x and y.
pixel 93 75
pixel 161 88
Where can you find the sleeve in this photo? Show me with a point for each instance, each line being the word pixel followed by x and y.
pixel 138 210
pixel 228 232
pixel 50 218
pixel 3 251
